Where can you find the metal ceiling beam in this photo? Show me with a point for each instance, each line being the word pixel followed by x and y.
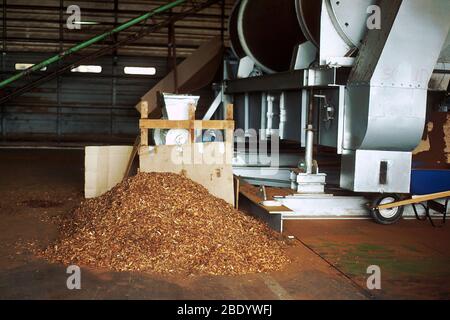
pixel 161 44
pixel 29 8
pixel 196 8
pixel 91 41
pixel 4 26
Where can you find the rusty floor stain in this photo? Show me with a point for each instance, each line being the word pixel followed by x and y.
pixel 329 257
pixel 414 257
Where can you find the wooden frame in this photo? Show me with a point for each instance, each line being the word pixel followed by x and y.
pixel 145 124
pixel 186 124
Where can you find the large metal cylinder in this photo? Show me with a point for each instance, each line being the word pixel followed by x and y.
pixel 268 32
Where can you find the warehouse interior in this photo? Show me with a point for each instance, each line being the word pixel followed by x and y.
pixel 225 149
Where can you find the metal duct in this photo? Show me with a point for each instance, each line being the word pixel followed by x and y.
pixel 445 53
pixel 386 97
pixel 387 90
pixel 269 31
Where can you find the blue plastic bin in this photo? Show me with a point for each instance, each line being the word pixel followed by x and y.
pixel 425 181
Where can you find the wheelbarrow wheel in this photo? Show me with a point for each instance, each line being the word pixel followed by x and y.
pixel 386 216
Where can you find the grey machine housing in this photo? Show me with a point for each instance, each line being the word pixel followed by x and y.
pixel 386 95
pixel 375 101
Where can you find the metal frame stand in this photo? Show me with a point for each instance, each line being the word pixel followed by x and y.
pixel 432 205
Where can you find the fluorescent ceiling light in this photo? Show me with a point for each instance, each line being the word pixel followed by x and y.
pixel 85 22
pixel 25 66
pixel 146 71
pixel 87 69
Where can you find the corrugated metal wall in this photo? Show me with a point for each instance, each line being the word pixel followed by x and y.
pixel 79 106
pixel 88 107
pixel 82 107
pixel 40 25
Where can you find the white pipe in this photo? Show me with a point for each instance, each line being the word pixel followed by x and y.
pixel 270 100
pixel 304 117
pixel 263 116
pixel 246 113
pixel 309 148
pixel 213 107
pixel 283 115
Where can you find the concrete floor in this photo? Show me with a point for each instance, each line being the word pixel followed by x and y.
pixel 329 257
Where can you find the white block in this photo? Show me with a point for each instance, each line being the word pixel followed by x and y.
pixel 104 168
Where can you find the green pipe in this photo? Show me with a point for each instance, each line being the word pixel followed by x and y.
pixel 91 41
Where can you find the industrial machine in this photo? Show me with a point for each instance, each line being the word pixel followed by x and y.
pixel 350 76
pixel 176 107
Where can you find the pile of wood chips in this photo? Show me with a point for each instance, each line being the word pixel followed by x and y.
pixel 166 223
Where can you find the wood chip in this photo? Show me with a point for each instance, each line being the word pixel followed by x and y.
pixel 165 223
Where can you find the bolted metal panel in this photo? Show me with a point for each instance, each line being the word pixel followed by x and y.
pixel 343 25
pixel 376 171
pixel 386 98
pixel 349 18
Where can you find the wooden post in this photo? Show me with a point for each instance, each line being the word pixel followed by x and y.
pixel 229 134
pixel 236 198
pixel 192 117
pixel 230 112
pixel 144 131
pixel 132 156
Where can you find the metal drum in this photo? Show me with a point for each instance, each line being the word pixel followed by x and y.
pixel 268 32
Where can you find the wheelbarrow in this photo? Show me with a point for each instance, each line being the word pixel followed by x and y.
pixel 427 187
